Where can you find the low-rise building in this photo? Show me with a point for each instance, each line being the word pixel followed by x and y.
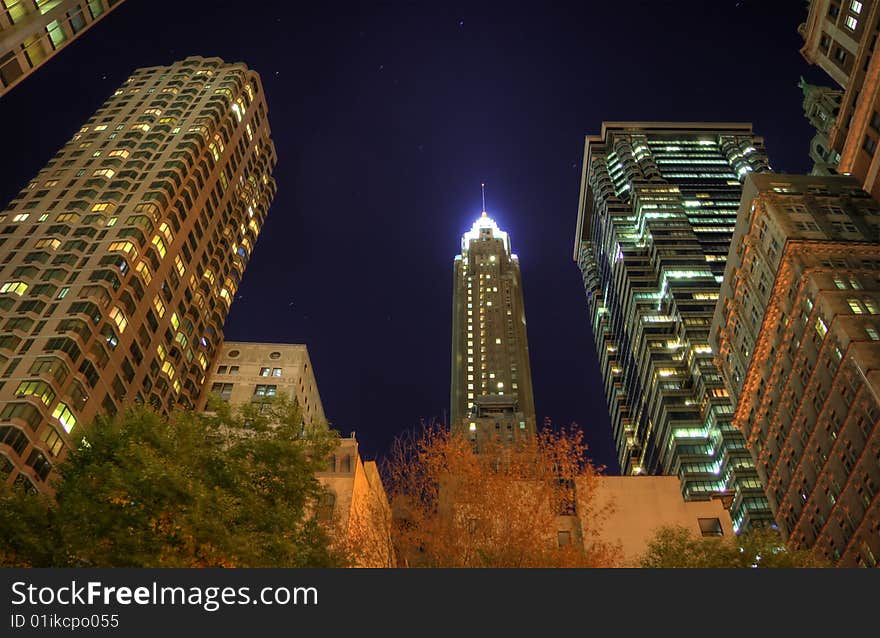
pixel 356 504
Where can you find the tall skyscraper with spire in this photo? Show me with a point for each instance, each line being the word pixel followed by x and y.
pixel 123 254
pixel 491 377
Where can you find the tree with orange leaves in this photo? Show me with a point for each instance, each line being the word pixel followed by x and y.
pixel 524 504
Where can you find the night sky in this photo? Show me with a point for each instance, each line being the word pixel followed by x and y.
pixel 386 118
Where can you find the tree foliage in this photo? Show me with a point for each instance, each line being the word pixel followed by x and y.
pixel 500 507
pixel 677 546
pixel 228 489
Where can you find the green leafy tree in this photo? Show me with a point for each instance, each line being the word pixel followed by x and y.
pixel 227 489
pixel 677 546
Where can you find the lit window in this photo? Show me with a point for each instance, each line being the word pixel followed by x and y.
pixel 264 372
pixel 821 328
pixel 65 417
pixel 117 316
pixel 16 287
pixel 855 306
pixel 124 246
pixel 160 246
pixel 159 305
pixel 105 172
pixel 851 23
pixel 855 6
pixel 48 243
pixel 40 389
pixel 166 231
pixel 20 217
pixel 276 372
pixel 168 369
pixel 873 335
pixel 144 272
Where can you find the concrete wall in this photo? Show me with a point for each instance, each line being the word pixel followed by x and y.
pixel 642 504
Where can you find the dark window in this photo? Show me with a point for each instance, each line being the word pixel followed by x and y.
pixel 869 145
pixel 711 527
pixel 223 390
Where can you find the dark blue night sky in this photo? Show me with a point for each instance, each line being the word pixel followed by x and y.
pixel 386 118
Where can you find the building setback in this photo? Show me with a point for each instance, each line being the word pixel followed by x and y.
pixel 122 256
pixel 355 503
pixel 33 31
pixel 797 337
pixel 840 37
pixel 491 376
pixel 657 211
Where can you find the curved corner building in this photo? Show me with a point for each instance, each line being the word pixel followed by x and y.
pixel 122 256
pixel 491 377
pixel 657 211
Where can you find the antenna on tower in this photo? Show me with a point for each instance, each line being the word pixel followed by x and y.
pixel 483 191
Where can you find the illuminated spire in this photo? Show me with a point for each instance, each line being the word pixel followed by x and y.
pixel 483 191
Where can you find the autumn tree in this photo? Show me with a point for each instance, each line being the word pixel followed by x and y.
pixel 676 546
pixel 501 507
pixel 235 487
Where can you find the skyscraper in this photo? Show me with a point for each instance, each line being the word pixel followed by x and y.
pixel 797 338
pixel 32 31
pixel 835 35
pixel 122 256
pixel 657 210
pixel 491 377
pixel 840 36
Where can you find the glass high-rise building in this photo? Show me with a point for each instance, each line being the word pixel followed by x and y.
pixel 491 377
pixel 122 256
pixel 33 31
pixel 657 211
